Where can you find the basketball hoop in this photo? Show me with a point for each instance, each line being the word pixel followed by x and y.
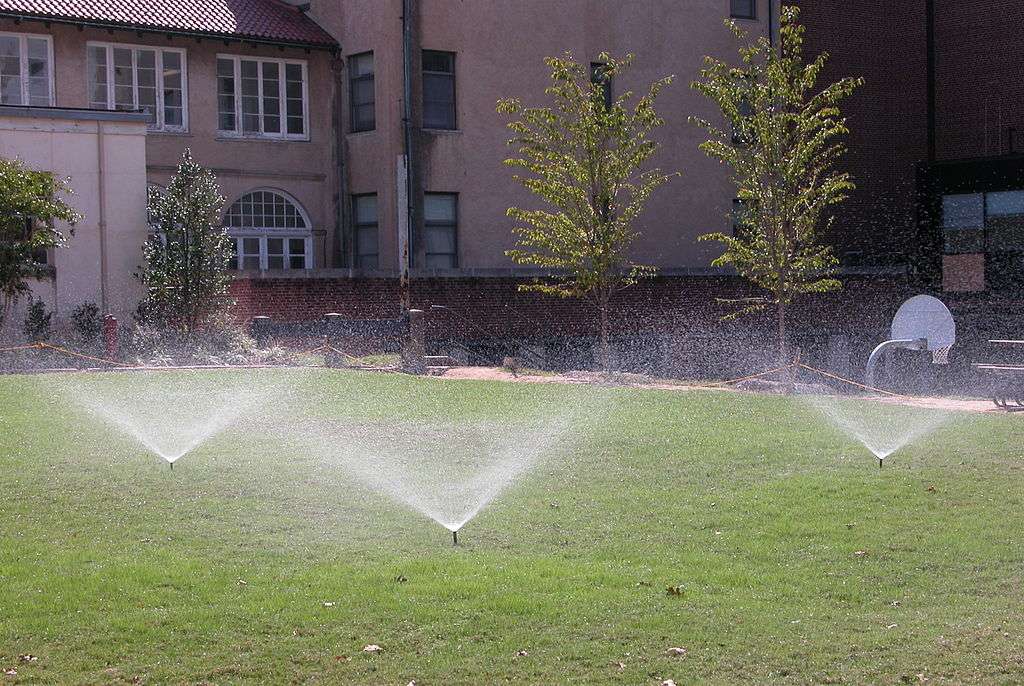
pixel 941 355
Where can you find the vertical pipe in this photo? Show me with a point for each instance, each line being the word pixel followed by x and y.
pixel 405 257
pixel 101 183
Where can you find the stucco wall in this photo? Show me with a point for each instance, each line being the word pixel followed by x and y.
pixel 304 169
pixel 95 155
pixel 499 49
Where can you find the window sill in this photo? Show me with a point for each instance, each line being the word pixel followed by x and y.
pixel 172 134
pixel 750 19
pixel 359 134
pixel 258 139
pixel 442 132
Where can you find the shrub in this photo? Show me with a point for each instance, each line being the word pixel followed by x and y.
pixel 38 322
pixel 87 323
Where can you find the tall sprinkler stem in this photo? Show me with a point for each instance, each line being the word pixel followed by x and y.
pixel 455 537
pixel 880 461
pixel 172 466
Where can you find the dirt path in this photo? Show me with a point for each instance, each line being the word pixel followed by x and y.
pixel 640 381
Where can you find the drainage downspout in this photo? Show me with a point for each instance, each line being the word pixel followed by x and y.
pixel 101 182
pixel 405 259
pixel 771 23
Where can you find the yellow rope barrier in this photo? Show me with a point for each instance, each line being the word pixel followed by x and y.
pixel 850 382
pixel 91 358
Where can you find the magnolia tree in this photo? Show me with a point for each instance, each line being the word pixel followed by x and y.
pixel 31 214
pixel 585 157
pixel 187 256
pixel 780 140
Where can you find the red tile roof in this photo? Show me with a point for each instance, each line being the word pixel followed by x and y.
pixel 271 21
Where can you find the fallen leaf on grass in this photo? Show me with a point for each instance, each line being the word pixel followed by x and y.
pixel 401 579
pixel 860 553
pixel 676 652
pixel 620 665
pixel 373 648
pixel 521 653
pixel 342 658
pixel 675 590
pixel 328 604
pixel 28 658
pixel 243 582
pixel 668 682
pixel 11 672
pixel 930 489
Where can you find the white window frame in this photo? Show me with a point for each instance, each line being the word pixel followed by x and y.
pixel 159 66
pixel 237 234
pixel 282 98
pixel 23 64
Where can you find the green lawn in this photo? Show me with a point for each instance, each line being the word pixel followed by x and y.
pixel 261 559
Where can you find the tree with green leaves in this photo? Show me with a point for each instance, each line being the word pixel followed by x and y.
pixel 33 213
pixel 585 157
pixel 188 253
pixel 781 142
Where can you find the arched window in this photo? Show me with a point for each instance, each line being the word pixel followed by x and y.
pixel 271 231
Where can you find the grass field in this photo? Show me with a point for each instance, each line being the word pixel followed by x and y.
pixel 795 559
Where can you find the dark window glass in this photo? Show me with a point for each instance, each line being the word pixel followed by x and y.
pixel 440 221
pixel 364 210
pixel 599 76
pixel 361 93
pixel 439 90
pixel 743 9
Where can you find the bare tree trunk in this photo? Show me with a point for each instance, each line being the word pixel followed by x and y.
pixel 604 349
pixel 783 353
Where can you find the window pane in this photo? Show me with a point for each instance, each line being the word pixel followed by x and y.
pixel 441 239
pixel 361 65
pixel 366 209
pixel 124 80
pixel 297 246
pixel 98 78
pixel 10 71
pixel 250 97
pixel 294 93
pixel 1004 204
pixel 963 211
pixel 440 261
pixel 38 72
pixel 226 95
pixel 439 207
pixel 438 101
pixel 145 76
pixel 173 90
pixel 271 97
pixel 742 9
pixel 434 60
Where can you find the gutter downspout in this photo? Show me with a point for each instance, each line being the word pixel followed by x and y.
pixel 405 258
pixel 929 12
pixel 101 183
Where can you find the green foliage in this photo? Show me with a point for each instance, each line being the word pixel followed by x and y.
pixel 38 325
pixel 186 273
pixel 585 160
pixel 87 323
pixel 31 210
pixel 781 145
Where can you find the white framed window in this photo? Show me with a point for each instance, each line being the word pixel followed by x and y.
pixel 262 97
pixel 140 77
pixel 270 232
pixel 26 69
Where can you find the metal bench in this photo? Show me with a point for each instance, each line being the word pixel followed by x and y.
pixel 1007 379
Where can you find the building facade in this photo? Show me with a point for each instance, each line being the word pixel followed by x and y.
pixel 249 87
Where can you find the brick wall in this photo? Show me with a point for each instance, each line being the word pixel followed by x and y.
pixel 979 77
pixel 883 42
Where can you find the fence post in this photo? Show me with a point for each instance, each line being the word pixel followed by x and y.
pixel 414 347
pixel 110 336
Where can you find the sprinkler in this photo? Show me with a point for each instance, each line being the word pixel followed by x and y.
pixel 880 460
pixel 172 466
pixel 455 537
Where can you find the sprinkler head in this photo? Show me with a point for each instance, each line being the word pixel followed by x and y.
pixel 172 466
pixel 880 462
pixel 455 537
